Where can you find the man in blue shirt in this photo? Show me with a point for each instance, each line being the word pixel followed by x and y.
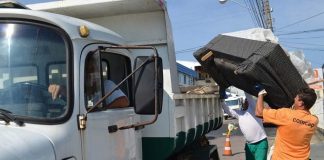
pixel 92 87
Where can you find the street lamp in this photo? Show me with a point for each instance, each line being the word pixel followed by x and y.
pixel 266 23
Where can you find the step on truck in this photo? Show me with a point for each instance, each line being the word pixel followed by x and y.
pixel 52 107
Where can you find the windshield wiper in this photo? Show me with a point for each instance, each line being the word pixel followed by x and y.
pixel 7 116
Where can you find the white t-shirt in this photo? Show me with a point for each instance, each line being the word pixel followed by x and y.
pixel 250 125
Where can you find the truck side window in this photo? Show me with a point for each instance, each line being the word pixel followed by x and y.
pixel 117 67
pixel 92 79
pixel 98 82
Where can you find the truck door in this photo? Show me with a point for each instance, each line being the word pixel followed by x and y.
pixel 96 69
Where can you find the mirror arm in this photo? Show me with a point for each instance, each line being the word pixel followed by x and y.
pixel 155 56
pixel 155 117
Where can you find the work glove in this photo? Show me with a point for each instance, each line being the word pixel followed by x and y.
pixel 262 92
pixel 260 89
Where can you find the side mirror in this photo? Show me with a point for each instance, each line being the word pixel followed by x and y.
pixel 145 86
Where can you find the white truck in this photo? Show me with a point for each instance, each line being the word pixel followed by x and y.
pixel 233 101
pixel 132 43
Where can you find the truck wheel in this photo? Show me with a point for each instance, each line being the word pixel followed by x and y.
pixel 214 155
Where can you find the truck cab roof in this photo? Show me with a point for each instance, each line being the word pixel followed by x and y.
pixel 98 8
pixel 69 24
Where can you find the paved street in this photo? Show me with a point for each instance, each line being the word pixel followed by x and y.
pixel 237 142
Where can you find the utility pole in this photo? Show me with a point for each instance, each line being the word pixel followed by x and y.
pixel 267 13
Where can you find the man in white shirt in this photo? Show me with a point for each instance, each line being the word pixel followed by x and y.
pixel 256 146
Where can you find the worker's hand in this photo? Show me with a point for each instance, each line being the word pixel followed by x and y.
pixel 222 93
pixel 56 90
pixel 262 92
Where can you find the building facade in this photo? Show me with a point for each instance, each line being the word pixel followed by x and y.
pixel 187 76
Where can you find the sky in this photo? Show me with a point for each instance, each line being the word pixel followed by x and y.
pixel 297 24
pixel 195 23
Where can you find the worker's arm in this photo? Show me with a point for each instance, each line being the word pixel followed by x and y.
pixel 317 81
pixel 228 110
pixel 222 97
pixel 260 104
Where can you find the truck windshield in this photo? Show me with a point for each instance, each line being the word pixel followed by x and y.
pixel 232 102
pixel 32 56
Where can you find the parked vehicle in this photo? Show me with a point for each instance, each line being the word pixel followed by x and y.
pixel 131 40
pixel 233 101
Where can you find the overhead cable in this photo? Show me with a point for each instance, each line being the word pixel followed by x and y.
pixel 311 49
pixel 303 43
pixel 301 32
pixel 188 50
pixel 261 11
pixel 250 12
pixel 314 37
pixel 300 21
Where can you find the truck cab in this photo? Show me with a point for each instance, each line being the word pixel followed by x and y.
pixel 42 49
pixel 132 47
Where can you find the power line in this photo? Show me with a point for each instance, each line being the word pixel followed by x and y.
pixel 315 37
pixel 300 21
pixel 193 48
pixel 311 49
pixel 303 43
pixel 255 10
pixel 250 13
pixel 301 32
pixel 188 50
pixel 254 13
pixel 261 9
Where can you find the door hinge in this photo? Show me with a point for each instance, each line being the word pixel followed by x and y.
pixel 82 121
